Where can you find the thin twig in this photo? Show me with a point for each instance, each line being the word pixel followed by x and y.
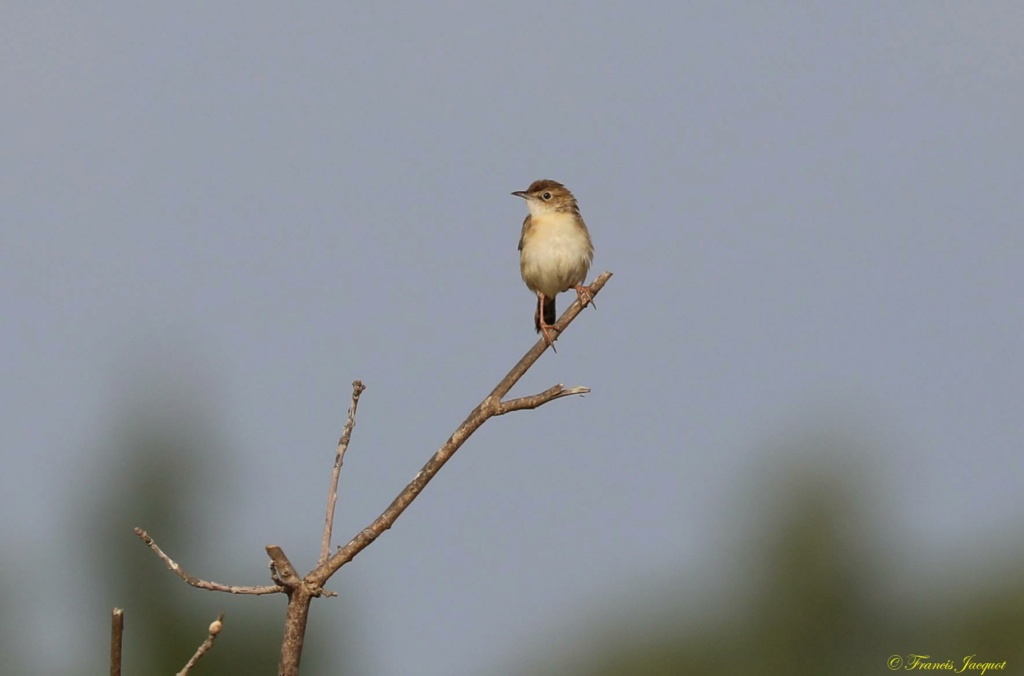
pixel 339 458
pixel 535 400
pixel 214 629
pixel 203 584
pixel 116 639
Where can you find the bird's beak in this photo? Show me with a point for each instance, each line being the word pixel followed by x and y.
pixel 520 193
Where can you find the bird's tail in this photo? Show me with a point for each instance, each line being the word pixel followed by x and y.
pixel 549 313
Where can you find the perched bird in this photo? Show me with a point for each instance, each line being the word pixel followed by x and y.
pixel 554 249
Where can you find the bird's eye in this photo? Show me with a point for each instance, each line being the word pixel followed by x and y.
pixel 546 196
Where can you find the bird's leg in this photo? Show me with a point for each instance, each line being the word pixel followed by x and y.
pixel 584 296
pixel 549 332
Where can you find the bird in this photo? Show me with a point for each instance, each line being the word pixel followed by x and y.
pixel 555 251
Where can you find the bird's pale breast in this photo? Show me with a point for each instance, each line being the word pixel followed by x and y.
pixel 556 253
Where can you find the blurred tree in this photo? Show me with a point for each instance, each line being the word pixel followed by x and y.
pixel 166 474
pixel 817 606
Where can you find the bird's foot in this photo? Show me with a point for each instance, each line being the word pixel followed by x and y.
pixel 584 296
pixel 550 334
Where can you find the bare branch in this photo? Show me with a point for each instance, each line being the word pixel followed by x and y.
pixel 535 400
pixel 296 618
pixel 300 596
pixel 284 572
pixel 513 376
pixel 488 408
pixel 339 458
pixel 204 648
pixel 203 584
pixel 116 639
pixel 301 590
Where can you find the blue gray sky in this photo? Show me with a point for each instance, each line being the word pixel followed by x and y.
pixel 813 212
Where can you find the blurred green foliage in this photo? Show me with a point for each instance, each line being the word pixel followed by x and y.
pixel 813 596
pixel 817 601
pixel 167 475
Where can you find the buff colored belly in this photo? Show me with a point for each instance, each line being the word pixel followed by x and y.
pixel 555 256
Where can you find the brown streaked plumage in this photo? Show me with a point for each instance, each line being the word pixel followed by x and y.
pixel 555 251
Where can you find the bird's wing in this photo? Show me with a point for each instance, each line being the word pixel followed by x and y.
pixel 522 235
